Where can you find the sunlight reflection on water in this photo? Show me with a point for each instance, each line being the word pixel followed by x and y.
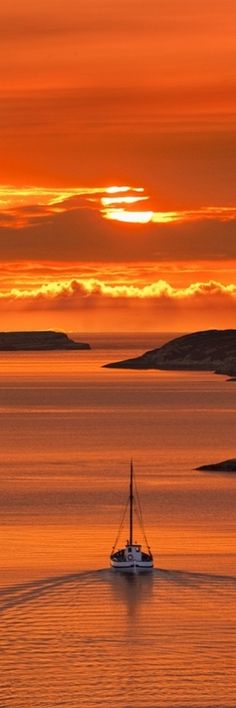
pixel 71 633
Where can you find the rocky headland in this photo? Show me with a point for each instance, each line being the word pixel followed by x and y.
pixel 210 350
pixel 225 466
pixel 38 341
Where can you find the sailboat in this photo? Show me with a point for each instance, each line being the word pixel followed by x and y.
pixel 132 557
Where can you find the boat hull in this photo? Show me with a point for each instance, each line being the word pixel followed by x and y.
pixel 128 566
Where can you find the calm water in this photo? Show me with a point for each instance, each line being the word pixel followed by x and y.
pixel 73 633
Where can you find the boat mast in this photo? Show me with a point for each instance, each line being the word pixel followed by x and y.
pixel 131 498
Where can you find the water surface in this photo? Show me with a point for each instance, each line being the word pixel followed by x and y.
pixel 73 632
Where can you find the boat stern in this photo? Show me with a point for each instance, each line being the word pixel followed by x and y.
pixel 131 558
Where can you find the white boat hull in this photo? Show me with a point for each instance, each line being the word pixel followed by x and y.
pixel 132 567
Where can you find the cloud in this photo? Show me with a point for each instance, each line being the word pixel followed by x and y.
pixel 25 206
pixel 74 293
pixel 170 217
pixel 179 140
pixel 106 18
pixel 92 303
pixel 55 224
pixel 84 236
pixel 48 36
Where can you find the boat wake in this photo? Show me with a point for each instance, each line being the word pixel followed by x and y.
pixel 194 578
pixel 26 592
pixel 22 593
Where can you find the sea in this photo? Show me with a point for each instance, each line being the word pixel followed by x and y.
pixel 73 632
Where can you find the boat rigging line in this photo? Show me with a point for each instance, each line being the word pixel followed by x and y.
pixel 121 526
pixel 138 510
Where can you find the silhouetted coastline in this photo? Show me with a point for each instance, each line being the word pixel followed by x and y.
pixel 209 350
pixel 224 466
pixel 38 341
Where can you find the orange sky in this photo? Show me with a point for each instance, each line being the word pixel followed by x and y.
pixel 133 94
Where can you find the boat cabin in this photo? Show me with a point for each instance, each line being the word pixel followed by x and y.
pixel 133 551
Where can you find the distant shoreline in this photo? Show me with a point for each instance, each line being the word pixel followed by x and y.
pixel 227 466
pixel 38 340
pixel 208 350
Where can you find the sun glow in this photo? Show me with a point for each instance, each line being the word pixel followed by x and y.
pixel 221 213
pixel 116 190
pixel 108 201
pixel 24 206
pixel 131 217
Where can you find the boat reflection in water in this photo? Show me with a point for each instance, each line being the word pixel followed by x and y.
pixel 132 558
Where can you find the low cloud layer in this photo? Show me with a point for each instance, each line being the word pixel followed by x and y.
pixel 80 293
pixel 74 291
pixel 95 304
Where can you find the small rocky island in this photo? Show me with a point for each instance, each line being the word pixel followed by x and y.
pixel 38 341
pixel 225 466
pixel 210 350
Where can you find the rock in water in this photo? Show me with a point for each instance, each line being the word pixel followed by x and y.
pixel 38 341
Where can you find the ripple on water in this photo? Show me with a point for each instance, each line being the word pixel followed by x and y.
pixel 100 638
